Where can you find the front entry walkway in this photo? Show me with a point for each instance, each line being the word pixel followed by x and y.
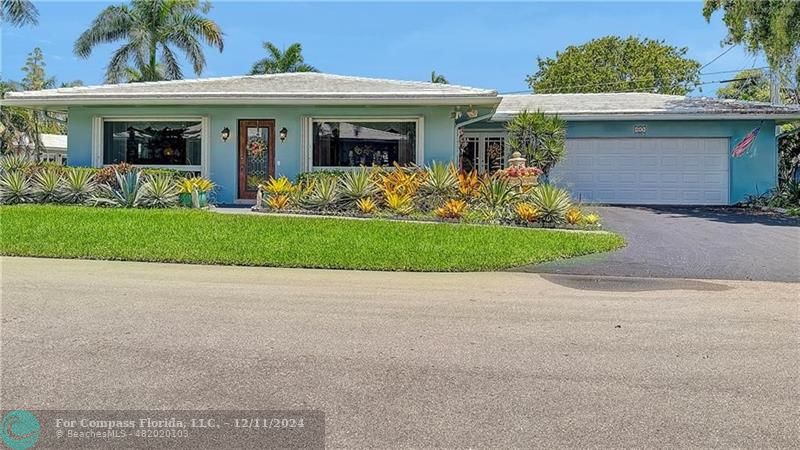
pixel 693 242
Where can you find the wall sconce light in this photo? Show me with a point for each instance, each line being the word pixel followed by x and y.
pixel 283 133
pixel 225 134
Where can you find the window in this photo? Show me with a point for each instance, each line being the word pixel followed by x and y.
pixel 150 142
pixel 353 143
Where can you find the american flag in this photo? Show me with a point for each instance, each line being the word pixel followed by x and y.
pixel 744 145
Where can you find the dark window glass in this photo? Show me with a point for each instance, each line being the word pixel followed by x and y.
pixel 353 144
pixel 163 143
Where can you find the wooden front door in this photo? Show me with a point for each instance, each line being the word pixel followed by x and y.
pixel 256 154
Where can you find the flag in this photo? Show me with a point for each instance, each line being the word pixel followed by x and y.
pixel 746 142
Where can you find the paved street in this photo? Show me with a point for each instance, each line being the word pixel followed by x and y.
pixel 413 359
pixel 693 242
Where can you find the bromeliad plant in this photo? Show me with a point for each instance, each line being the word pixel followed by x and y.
pixel 194 191
pixel 468 184
pixel 452 209
pixel 366 205
pixel 526 212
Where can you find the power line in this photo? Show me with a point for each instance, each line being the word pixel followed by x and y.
pixel 718 57
pixel 734 71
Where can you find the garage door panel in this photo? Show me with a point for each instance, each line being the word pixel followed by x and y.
pixel 646 170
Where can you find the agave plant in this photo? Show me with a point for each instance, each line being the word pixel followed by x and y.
pixel 128 194
pixel 323 193
pixel 357 184
pixel 160 191
pixel 78 185
pixel 496 192
pixel 441 180
pixel 552 203
pixel 11 162
pixel 47 186
pixel 16 187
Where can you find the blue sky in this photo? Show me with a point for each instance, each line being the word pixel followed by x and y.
pixel 492 45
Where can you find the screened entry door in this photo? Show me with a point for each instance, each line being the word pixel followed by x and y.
pixel 256 154
pixel 485 151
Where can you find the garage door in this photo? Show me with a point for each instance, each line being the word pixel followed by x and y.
pixel 646 171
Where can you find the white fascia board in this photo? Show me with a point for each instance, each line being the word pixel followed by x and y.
pixel 450 100
pixel 505 117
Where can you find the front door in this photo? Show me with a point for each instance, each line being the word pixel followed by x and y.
pixel 485 151
pixel 256 154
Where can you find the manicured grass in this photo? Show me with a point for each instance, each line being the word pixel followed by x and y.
pixel 212 238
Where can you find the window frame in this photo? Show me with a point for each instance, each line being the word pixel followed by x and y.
pixel 205 141
pixel 308 135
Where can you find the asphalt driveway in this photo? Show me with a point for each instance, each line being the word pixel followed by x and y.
pixel 693 242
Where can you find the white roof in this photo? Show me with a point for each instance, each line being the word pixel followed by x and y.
pixel 286 88
pixel 631 105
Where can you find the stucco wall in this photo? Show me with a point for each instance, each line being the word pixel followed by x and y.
pixel 439 142
pixel 754 173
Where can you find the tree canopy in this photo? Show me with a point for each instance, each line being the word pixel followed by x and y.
pixel 282 61
pixel 615 64
pixel 768 26
pixel 751 85
pixel 18 12
pixel 151 31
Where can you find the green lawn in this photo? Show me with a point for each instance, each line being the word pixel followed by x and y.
pixel 211 238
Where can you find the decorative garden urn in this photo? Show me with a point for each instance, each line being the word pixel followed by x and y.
pixel 516 160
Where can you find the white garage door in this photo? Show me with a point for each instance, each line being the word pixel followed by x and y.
pixel 646 171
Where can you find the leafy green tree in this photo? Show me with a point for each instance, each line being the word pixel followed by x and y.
pixel 20 128
pixel 768 26
pixel 150 32
pixel 540 137
pixel 35 78
pixel 750 85
pixel 18 12
pixel 438 78
pixel 282 61
pixel 614 64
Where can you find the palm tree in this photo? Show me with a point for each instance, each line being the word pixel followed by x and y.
pixel 438 78
pixel 19 12
pixel 277 61
pixel 150 29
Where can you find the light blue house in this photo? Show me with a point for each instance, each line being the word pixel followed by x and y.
pixel 622 148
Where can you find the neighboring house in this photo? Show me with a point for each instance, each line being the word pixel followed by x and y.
pixel 55 148
pixel 622 148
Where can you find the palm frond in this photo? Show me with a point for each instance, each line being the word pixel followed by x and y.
pixel 19 12
pixel 112 24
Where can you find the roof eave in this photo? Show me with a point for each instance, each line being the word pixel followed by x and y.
pixel 251 99
pixel 505 116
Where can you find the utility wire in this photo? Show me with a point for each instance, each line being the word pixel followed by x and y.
pixel 718 57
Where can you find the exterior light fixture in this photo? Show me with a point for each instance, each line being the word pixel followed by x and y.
pixel 472 112
pixel 225 134
pixel 283 133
